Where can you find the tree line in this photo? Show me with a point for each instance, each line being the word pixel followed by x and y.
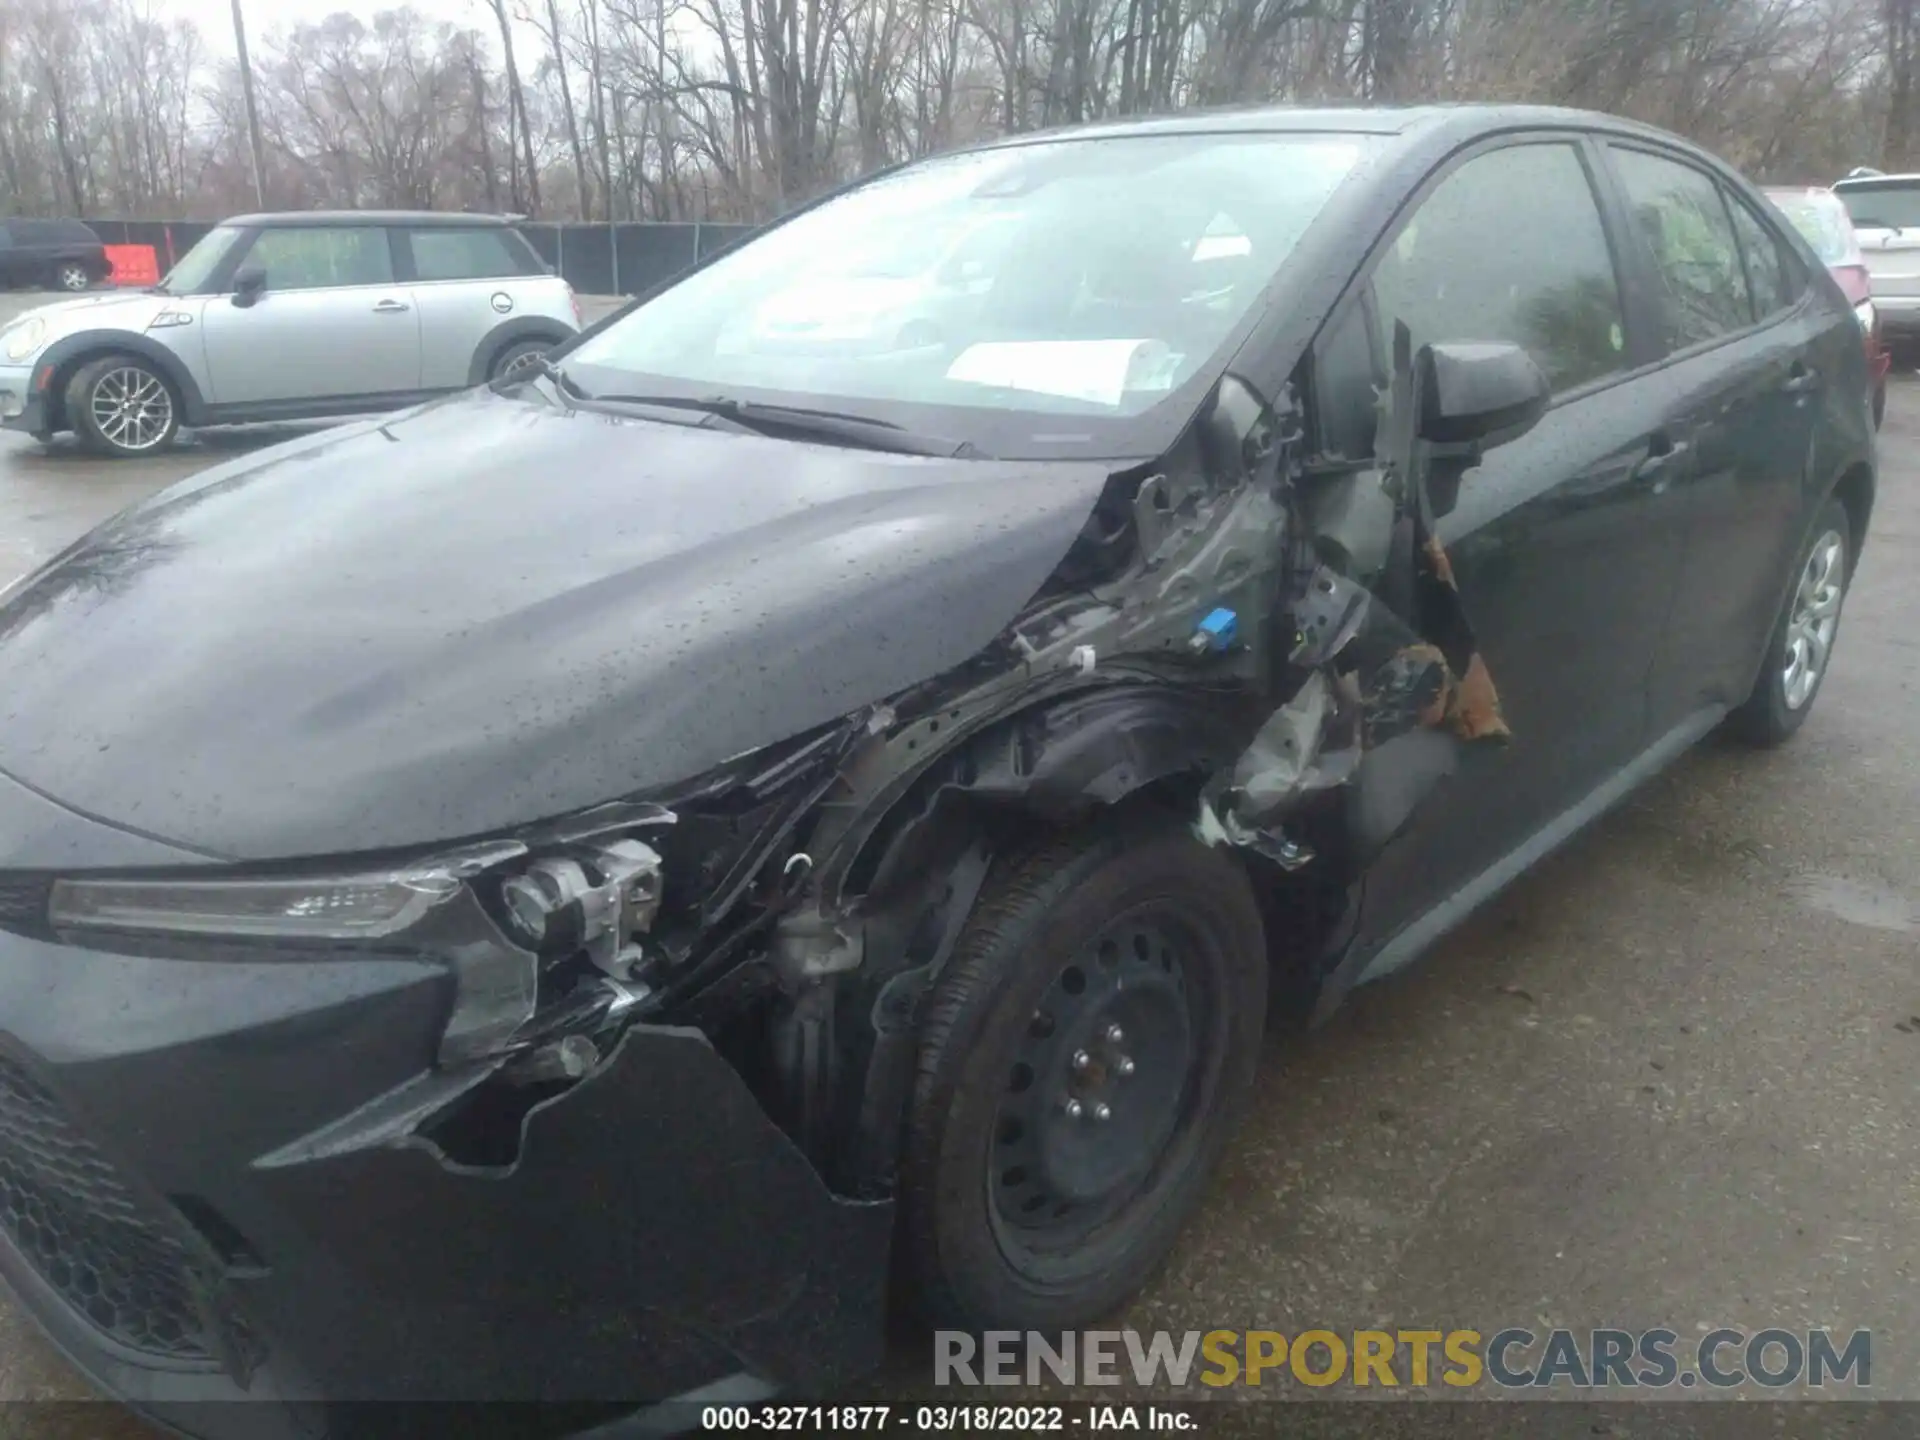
pixel 735 110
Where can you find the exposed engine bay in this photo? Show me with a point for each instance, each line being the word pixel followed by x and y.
pixel 1266 645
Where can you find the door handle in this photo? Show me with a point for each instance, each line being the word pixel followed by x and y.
pixel 1661 460
pixel 389 307
pixel 1800 380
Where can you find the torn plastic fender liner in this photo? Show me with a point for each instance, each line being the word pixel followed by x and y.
pixel 655 1196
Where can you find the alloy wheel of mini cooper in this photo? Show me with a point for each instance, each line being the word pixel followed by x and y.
pixel 519 359
pixel 1081 1062
pixel 120 406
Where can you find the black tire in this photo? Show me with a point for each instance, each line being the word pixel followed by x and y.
pixel 515 355
pixel 71 276
pixel 992 1053
pixel 159 406
pixel 1772 713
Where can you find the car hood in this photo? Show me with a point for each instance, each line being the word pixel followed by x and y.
pixel 486 612
pixel 124 309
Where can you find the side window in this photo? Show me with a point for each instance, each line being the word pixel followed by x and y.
pixel 315 257
pixel 1509 247
pixel 1345 399
pixel 1771 273
pixel 1683 222
pixel 449 254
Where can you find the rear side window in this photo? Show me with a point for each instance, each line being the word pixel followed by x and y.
pixel 321 257
pixel 1509 247
pixel 1881 204
pixel 1683 222
pixel 1771 274
pixel 70 232
pixel 451 254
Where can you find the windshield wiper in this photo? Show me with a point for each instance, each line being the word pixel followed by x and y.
pixel 798 421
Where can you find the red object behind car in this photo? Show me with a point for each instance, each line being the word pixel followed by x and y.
pixel 1822 218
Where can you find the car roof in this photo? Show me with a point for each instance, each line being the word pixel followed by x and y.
pixel 421 219
pixel 1875 182
pixel 1464 121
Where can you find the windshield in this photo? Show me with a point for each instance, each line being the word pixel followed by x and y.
pixel 193 268
pixel 1079 276
pixel 1882 204
pixel 1822 220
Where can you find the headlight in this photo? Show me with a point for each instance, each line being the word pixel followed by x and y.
pixel 1863 312
pixel 350 907
pixel 25 338
pixel 494 913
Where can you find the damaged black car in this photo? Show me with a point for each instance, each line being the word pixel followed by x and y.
pixel 607 887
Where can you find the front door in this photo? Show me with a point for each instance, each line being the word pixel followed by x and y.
pixel 332 324
pixel 1561 544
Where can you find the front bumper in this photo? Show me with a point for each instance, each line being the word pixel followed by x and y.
pixel 213 1187
pixel 21 406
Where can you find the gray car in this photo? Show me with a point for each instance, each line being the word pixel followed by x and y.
pixel 285 317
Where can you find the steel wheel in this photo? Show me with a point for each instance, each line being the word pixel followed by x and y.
pixel 1814 619
pixel 1094 1098
pixel 1081 1060
pixel 73 277
pixel 131 408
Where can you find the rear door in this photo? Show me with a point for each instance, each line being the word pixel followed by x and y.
pixel 1565 556
pixel 466 281
pixel 333 325
pixel 1749 347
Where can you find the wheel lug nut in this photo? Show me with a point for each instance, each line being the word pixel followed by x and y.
pixel 1102 1111
pixel 1074 1109
pixel 1124 1065
pixel 1081 1060
pixel 1115 1034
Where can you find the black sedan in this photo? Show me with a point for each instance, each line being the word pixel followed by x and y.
pixel 584 890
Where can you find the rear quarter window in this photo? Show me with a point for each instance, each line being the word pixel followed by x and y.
pixel 448 253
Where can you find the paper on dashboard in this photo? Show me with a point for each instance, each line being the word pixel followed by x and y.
pixel 1100 371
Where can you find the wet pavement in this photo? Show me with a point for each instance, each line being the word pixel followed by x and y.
pixel 1668 1079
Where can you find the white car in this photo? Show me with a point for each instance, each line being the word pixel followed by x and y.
pixel 1885 210
pixel 287 317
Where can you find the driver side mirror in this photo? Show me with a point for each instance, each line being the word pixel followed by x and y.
pixel 1477 396
pixel 249 283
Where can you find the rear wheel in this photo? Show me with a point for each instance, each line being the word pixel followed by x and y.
pixel 1079 1069
pixel 1802 647
pixel 119 405
pixel 72 276
pixel 517 357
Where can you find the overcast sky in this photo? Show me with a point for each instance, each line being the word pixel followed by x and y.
pixel 263 17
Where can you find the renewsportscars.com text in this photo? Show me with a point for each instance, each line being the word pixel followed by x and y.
pixel 1514 1358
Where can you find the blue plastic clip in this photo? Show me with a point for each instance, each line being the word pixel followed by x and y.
pixel 1216 631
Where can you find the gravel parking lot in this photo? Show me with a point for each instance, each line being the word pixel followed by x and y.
pixel 1669 1078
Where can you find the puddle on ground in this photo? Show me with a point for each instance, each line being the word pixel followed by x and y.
pixel 1859 902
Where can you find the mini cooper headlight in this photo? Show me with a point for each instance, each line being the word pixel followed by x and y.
pixel 23 339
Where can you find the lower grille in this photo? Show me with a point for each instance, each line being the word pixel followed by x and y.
pixel 102 1247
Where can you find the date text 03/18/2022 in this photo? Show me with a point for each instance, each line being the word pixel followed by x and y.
pixel 949 1419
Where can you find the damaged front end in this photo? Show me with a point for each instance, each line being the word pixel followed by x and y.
pixel 1273 651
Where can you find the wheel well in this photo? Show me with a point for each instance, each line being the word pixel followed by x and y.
pixel 1855 494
